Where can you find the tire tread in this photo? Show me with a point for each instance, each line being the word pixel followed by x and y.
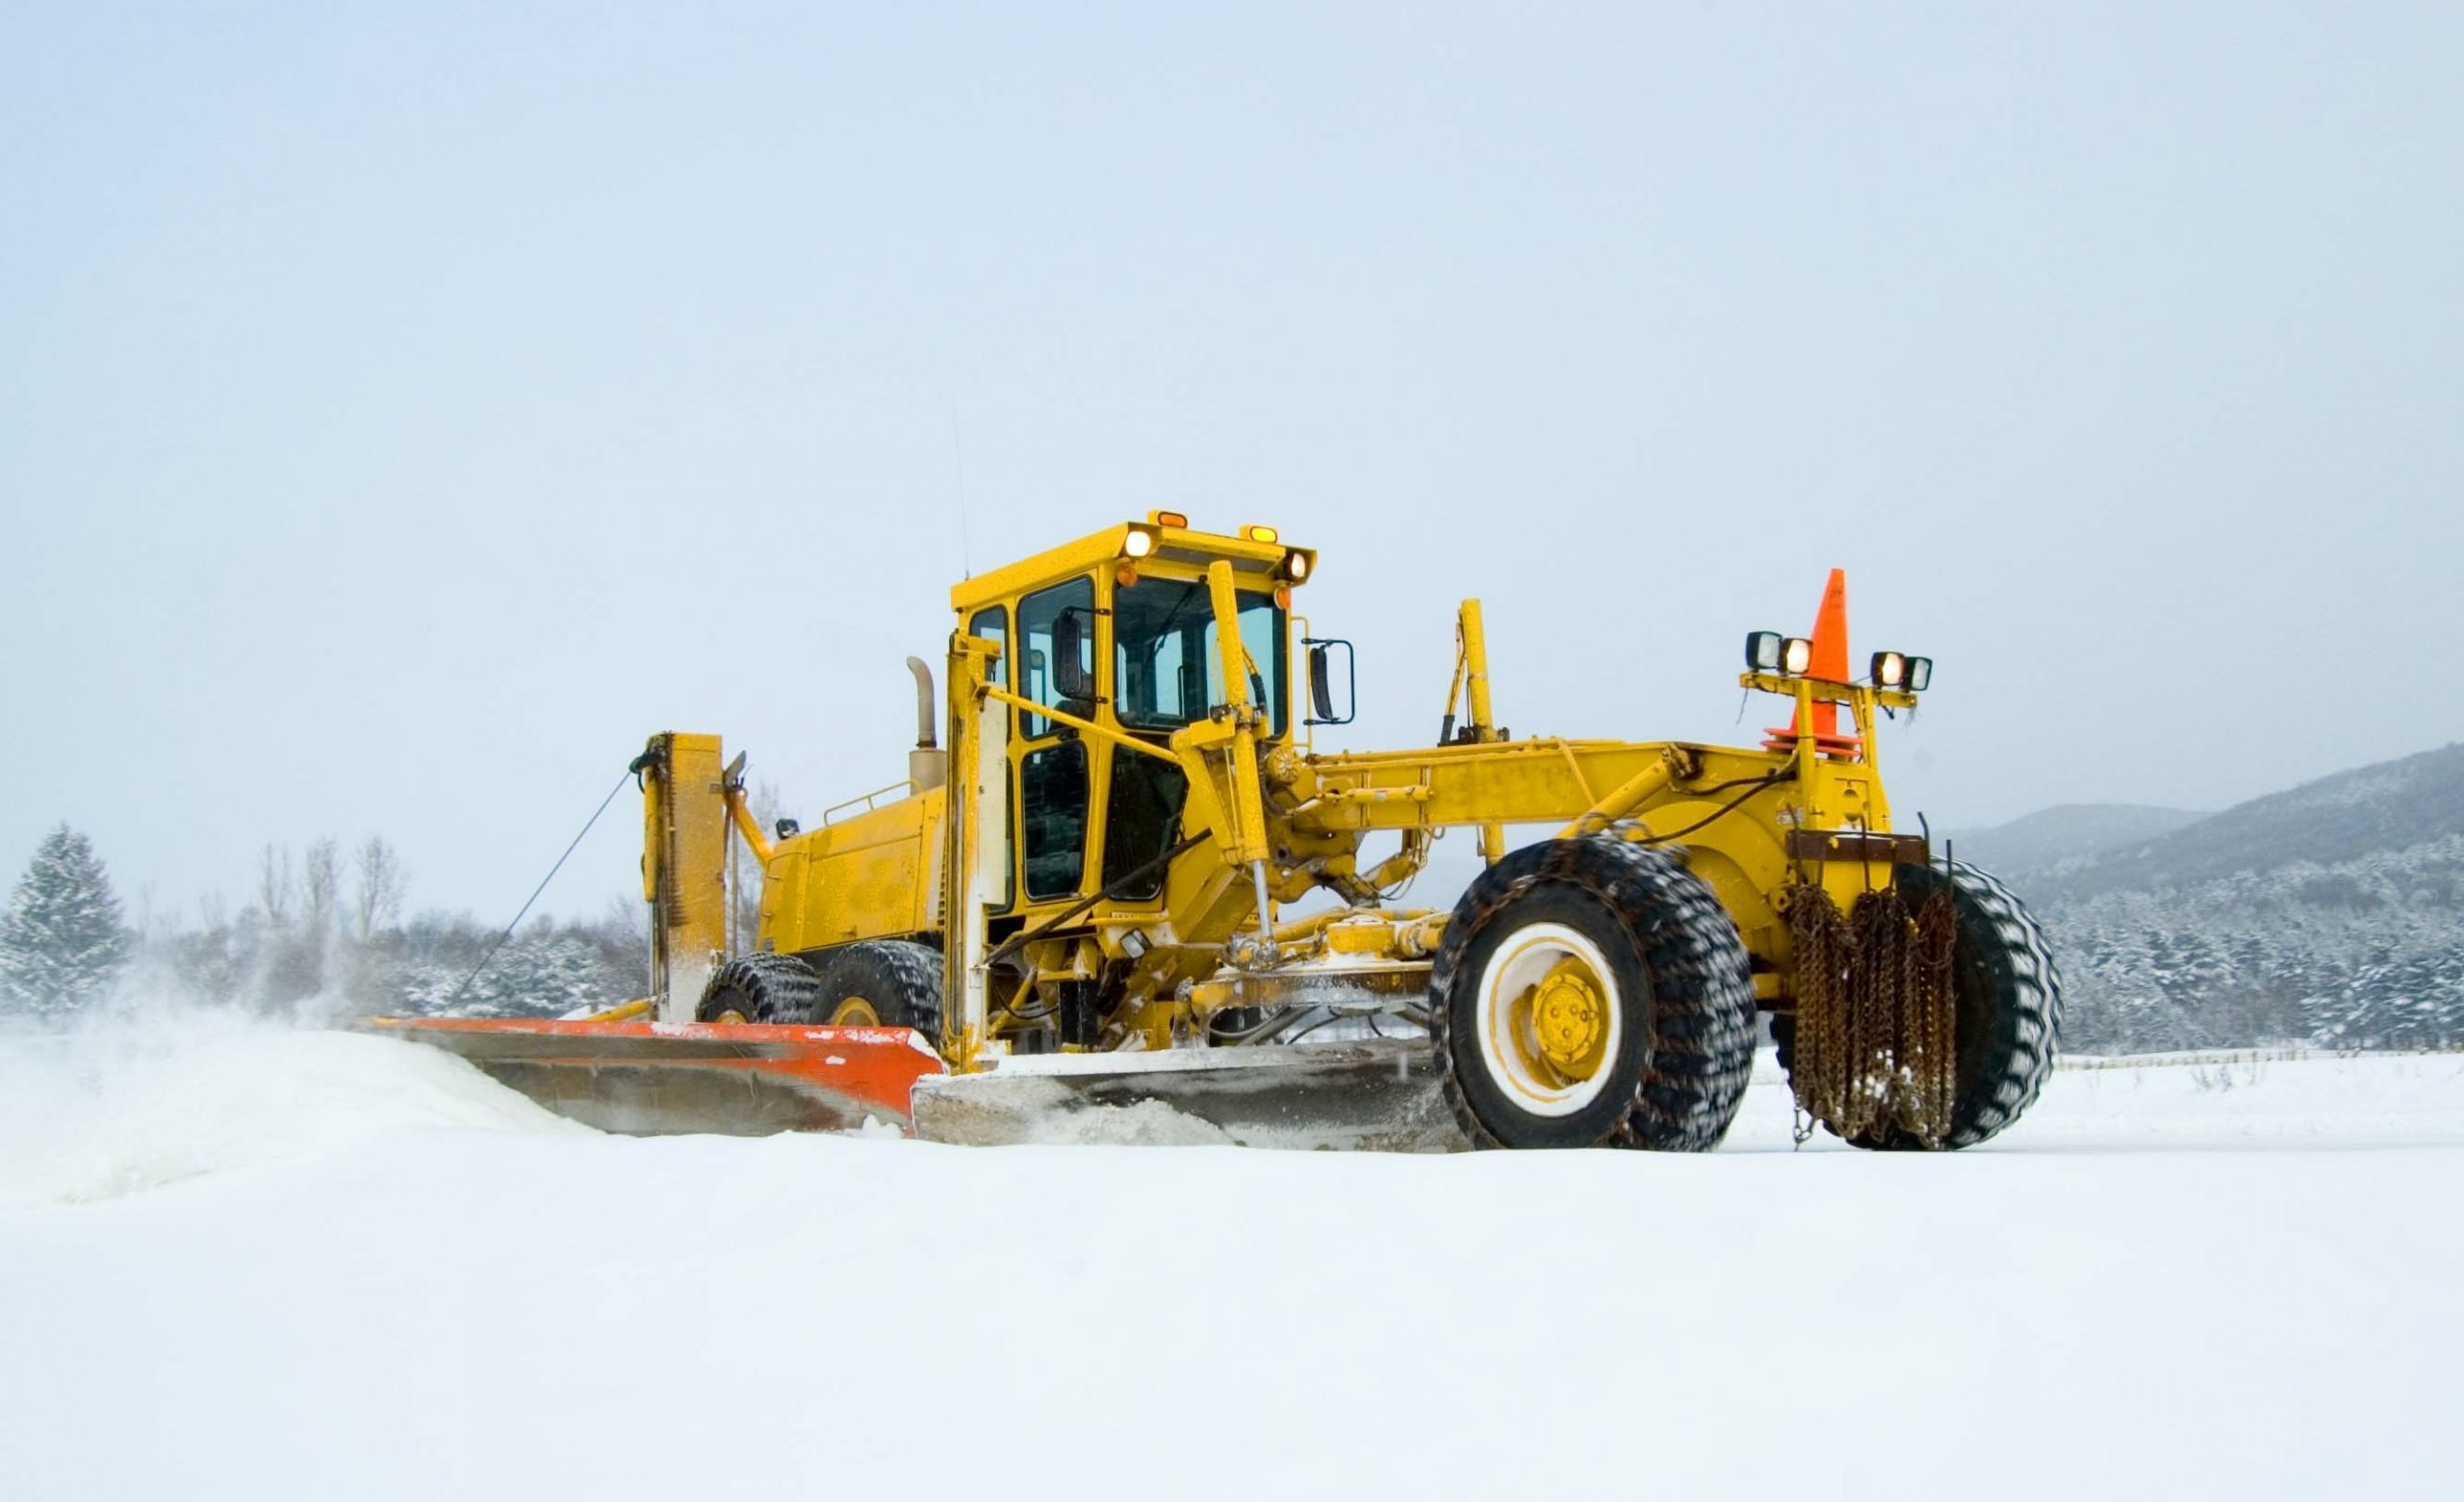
pixel 1701 1040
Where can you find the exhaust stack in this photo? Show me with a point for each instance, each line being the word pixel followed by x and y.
pixel 926 766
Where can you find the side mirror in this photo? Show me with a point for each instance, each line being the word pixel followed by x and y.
pixel 1072 675
pixel 1321 681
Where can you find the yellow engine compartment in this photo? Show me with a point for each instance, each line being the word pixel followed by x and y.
pixel 872 875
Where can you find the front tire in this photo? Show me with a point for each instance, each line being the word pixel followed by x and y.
pixel 2006 1004
pixel 1591 992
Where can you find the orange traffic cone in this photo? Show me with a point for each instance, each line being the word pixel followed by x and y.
pixel 1828 663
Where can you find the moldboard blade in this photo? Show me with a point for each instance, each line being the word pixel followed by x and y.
pixel 651 1078
pixel 1381 1095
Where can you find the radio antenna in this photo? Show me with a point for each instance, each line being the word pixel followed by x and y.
pixel 958 455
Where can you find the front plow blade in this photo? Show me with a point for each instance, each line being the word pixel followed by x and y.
pixel 1379 1095
pixel 647 1079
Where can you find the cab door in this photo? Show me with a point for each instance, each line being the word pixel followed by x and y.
pixel 1057 652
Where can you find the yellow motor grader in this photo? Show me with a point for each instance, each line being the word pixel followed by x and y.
pixel 1120 884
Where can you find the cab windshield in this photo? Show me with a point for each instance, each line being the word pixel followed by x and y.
pixel 1166 670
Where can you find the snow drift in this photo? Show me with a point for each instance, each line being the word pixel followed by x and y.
pixel 150 1097
pixel 406 1283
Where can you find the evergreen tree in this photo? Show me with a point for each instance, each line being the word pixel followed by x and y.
pixel 61 940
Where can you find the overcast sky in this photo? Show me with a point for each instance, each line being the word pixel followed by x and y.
pixel 403 411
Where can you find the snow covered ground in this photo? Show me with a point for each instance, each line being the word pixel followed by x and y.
pixel 240 1261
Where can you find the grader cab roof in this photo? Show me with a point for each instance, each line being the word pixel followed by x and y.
pixel 1257 554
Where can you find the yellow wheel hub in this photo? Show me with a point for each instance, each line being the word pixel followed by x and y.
pixel 1569 1021
pixel 730 1014
pixel 855 1012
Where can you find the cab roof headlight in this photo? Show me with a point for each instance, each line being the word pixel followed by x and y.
pixel 1139 543
pixel 1921 674
pixel 1296 566
pixel 1796 656
pixel 1763 650
pixel 1262 534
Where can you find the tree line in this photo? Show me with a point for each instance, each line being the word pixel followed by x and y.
pixel 2362 953
pixel 324 935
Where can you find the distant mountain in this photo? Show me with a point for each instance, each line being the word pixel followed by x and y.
pixel 2073 833
pixel 2390 807
pixel 2332 913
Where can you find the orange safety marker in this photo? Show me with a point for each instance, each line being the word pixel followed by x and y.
pixel 1829 649
pixel 1828 663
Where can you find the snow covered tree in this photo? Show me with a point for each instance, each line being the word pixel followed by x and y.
pixel 377 903
pixel 61 942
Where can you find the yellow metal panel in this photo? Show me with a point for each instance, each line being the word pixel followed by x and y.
pixel 684 861
pixel 870 877
pixel 1536 781
pixel 782 894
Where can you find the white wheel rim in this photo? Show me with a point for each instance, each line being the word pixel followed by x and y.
pixel 1515 968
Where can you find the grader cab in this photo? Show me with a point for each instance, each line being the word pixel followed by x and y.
pixel 1120 875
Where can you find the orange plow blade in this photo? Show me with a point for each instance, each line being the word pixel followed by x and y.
pixel 646 1079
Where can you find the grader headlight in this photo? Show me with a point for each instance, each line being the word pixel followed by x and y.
pixel 1796 656
pixel 1763 650
pixel 1140 543
pixel 1900 671
pixel 1296 566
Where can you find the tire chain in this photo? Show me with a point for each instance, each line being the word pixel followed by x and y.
pixel 778 987
pixel 1876 1031
pixel 916 971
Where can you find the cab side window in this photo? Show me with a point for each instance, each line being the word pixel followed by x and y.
pixel 1052 796
pixel 1056 667
pixel 1057 628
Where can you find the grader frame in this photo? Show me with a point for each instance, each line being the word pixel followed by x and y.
pixel 1278 822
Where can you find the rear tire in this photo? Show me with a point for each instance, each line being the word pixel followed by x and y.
pixel 1652 1040
pixel 2007 997
pixel 761 988
pixel 896 982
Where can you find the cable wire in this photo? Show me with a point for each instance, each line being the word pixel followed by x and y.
pixel 1752 785
pixel 628 776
